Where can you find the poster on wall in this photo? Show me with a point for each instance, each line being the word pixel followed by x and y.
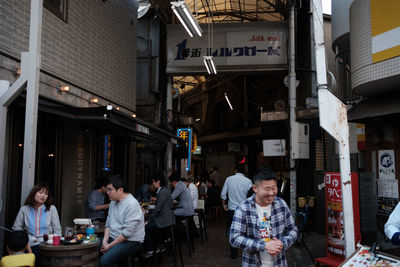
pixel 388 188
pixel 334 213
pixel 386 164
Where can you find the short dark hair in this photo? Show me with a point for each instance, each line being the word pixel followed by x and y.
pixel 159 177
pixel 30 199
pixel 215 168
pixel 239 167
pixel 264 174
pixel 17 240
pixel 174 177
pixel 102 181
pixel 118 182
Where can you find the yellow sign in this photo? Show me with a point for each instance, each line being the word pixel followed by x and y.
pixel 385 29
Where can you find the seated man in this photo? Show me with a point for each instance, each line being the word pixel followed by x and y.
pixel 263 225
pixel 95 208
pixel 124 229
pixel 161 217
pixel 392 226
pixel 19 250
pixel 181 193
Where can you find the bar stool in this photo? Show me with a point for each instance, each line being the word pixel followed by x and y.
pixel 185 223
pixel 215 212
pixel 202 225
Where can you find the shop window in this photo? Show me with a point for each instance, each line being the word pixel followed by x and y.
pixel 58 8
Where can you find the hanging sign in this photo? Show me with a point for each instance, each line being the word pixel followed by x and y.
pixel 186 136
pixel 238 47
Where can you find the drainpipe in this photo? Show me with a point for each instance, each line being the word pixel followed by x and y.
pixel 168 154
pixel 292 113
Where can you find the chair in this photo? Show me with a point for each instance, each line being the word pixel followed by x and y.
pixel 215 212
pixel 130 261
pixel 202 220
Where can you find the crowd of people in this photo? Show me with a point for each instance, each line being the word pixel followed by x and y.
pixel 258 222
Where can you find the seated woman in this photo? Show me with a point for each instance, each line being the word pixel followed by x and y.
pixel 38 217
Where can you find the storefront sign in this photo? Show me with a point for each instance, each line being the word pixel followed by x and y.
pixel 334 214
pixel 386 164
pixel 247 46
pixel 361 136
pixel 274 147
pixel 385 29
pixel 186 136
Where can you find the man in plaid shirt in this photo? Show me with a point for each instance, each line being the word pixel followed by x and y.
pixel 263 225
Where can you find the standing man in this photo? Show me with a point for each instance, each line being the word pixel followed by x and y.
pixel 95 209
pixel 235 188
pixel 214 174
pixel 263 225
pixel 124 230
pixel 161 217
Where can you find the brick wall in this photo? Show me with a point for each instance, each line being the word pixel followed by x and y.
pixel 95 49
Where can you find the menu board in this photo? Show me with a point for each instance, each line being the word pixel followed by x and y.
pixel 363 257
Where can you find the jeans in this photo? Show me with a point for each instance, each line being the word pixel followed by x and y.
pixel 118 253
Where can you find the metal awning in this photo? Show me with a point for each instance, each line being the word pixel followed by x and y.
pixel 377 106
pixel 111 119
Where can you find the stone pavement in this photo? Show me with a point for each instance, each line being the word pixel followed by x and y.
pixel 215 251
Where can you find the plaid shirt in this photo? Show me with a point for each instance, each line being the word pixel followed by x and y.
pixel 245 232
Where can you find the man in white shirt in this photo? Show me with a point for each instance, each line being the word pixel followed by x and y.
pixel 235 188
pixel 194 192
pixel 124 230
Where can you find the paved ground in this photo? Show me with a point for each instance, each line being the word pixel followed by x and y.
pixel 215 251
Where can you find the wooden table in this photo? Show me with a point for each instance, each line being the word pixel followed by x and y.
pixel 85 255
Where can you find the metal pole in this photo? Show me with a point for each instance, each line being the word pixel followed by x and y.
pixel 292 112
pixel 32 99
pixel 333 118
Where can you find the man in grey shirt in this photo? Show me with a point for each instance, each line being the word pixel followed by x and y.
pixel 95 209
pixel 124 230
pixel 235 188
pixel 181 193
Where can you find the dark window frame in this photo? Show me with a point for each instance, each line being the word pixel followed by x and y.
pixel 58 8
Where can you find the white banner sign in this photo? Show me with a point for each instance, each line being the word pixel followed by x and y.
pixel 386 164
pixel 274 148
pixel 249 46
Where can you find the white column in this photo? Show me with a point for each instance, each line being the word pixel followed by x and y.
pixel 32 98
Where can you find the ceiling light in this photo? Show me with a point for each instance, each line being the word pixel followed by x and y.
pixel 64 88
pixel 227 100
pixel 133 115
pixel 209 63
pixel 190 24
pixel 93 100
pixel 109 107
pixel 198 119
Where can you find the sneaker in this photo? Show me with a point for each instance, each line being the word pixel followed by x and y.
pixel 148 254
pixel 160 249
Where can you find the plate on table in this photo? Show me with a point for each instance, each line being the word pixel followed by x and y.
pixel 72 242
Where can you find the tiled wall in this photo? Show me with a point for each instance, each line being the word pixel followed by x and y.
pixel 363 71
pixel 95 49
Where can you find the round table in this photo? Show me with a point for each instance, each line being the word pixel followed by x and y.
pixel 69 255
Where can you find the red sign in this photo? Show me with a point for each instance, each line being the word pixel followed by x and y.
pixel 334 213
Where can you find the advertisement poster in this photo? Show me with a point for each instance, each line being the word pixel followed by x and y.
pixel 334 213
pixel 386 164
